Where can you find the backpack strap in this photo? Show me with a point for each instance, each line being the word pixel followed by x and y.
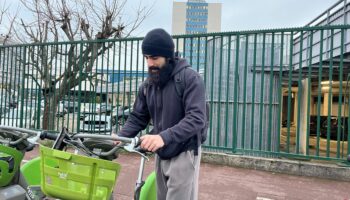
pixel 180 83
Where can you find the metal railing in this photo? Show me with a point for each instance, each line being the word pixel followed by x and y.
pixel 280 92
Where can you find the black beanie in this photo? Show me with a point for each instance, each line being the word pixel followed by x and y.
pixel 158 42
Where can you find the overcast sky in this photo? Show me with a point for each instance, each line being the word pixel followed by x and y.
pixel 246 14
pixel 236 14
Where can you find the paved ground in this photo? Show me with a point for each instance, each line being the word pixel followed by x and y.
pixel 221 182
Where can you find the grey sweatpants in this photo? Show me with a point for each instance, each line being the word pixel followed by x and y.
pixel 177 178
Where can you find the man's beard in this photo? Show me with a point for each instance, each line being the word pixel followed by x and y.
pixel 160 76
pixel 153 74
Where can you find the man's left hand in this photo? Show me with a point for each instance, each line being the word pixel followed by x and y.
pixel 151 142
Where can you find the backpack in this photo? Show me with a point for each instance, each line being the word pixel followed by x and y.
pixel 180 88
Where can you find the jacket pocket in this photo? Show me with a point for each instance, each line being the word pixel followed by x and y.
pixel 171 150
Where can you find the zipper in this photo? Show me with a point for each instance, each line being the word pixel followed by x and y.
pixel 159 108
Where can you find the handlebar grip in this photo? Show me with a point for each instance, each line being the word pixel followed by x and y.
pixel 48 135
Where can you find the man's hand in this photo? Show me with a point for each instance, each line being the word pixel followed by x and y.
pixel 115 141
pixel 151 142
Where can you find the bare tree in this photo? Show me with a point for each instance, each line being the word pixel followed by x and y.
pixel 69 20
pixel 6 28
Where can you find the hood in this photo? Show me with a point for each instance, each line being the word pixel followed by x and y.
pixel 179 65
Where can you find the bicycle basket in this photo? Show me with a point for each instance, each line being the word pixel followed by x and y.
pixel 10 160
pixel 68 176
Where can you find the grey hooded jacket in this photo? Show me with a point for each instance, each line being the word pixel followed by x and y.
pixel 178 121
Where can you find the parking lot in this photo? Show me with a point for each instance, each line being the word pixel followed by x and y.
pixel 93 121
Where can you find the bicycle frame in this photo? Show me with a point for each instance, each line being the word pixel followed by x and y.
pixel 14 143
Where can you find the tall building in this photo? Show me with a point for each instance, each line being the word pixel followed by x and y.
pixel 194 17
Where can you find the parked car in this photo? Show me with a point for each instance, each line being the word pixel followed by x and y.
pixel 119 109
pixel 85 114
pixel 71 106
pixel 14 117
pixel 121 115
pixel 333 130
pixel 104 108
pixel 87 109
pixel 61 110
pixel 95 123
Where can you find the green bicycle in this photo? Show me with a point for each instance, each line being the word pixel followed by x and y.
pixel 66 175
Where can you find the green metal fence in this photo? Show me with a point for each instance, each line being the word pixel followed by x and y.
pixel 281 92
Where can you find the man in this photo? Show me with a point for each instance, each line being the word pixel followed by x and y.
pixel 178 120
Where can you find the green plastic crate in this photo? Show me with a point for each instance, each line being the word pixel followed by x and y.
pixel 68 176
pixel 6 174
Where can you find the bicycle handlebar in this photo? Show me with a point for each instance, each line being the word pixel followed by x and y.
pixel 53 136
pixel 130 143
pixel 20 138
pixel 48 135
pixel 23 130
pixel 104 143
pixel 22 135
pixel 106 137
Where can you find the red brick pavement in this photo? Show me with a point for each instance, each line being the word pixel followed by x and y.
pixel 222 182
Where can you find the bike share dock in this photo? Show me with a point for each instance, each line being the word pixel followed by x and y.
pixel 223 182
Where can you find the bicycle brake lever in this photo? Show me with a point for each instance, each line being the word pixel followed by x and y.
pixel 34 139
pixel 141 154
pixel 131 148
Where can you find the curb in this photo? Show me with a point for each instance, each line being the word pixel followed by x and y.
pixel 292 167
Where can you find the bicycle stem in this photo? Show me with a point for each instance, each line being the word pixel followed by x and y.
pixel 139 182
pixel 140 175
